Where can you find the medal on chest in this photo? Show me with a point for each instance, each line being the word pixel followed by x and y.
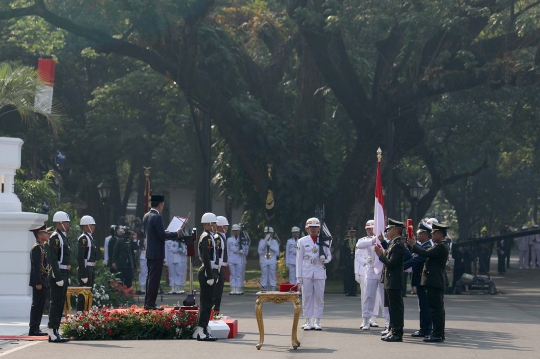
pixel 236 244
pixel 314 249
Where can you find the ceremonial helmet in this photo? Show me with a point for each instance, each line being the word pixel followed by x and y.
pixel 61 216
pixel 295 229
pixel 430 221
pixel 222 221
pixel 370 224
pixel 209 217
pixel 313 222
pixel 86 220
pixel 236 227
pixel 268 230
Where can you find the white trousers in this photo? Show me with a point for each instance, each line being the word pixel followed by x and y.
pixel 268 274
pixel 535 255
pixel 362 289
pixel 292 273
pixel 143 270
pixel 313 297
pixel 370 296
pixel 177 273
pixel 236 274
pixel 523 258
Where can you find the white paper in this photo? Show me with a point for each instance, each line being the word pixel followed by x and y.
pixel 176 224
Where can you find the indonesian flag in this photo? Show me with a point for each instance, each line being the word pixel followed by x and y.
pixel 378 216
pixel 44 93
pixel 147 195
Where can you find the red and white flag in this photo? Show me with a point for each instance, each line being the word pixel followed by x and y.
pixel 378 215
pixel 147 195
pixel 44 94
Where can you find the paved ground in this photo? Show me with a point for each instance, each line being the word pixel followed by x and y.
pixel 478 326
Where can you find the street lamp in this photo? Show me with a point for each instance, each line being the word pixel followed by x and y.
pixel 104 190
pixel 415 192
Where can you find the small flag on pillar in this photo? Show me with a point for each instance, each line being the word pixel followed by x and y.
pixel 44 94
pixel 147 190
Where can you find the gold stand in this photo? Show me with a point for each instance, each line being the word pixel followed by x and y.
pixel 278 298
pixel 85 291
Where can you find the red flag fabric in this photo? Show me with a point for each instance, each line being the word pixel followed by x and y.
pixel 147 195
pixel 379 218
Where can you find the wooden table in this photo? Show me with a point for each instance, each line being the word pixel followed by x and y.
pixel 278 298
pixel 85 291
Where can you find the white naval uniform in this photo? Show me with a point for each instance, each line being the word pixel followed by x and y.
pixel 523 244
pixel 310 268
pixel 290 258
pixel 176 258
pixel 268 266
pixel 237 261
pixel 106 250
pixel 360 255
pixel 535 249
pixel 143 269
pixel 373 298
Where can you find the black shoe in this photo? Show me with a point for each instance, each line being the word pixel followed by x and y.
pixel 206 337
pixel 432 339
pixel 37 334
pixel 57 338
pixel 152 307
pixel 404 295
pixel 392 338
pixel 418 333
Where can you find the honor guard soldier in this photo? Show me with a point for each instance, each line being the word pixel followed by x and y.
pixel 123 261
pixel 290 254
pixel 417 265
pixel 434 277
pixel 311 274
pixel 117 232
pixel 59 255
pixel 393 278
pixel 208 274
pixel 86 257
pixel 39 270
pixel 176 259
pixel 268 252
pixel 347 258
pixel 221 242
pixel 237 252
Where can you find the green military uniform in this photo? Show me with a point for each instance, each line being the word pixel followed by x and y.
pixel 59 259
pixel 347 258
pixel 39 269
pixel 86 258
pixel 393 283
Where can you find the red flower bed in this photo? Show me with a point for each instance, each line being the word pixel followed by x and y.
pixel 129 324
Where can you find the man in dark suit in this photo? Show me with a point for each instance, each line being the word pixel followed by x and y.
pixel 393 278
pixel 434 278
pixel 417 265
pixel 39 270
pixel 155 251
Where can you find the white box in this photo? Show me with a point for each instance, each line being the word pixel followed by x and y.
pixel 217 328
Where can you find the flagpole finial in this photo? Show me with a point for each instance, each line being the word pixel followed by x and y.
pixel 269 165
pixel 147 171
pixel 379 154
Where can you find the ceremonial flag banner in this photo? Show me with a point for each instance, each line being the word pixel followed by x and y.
pixel 147 195
pixel 379 218
pixel 44 94
pixel 270 195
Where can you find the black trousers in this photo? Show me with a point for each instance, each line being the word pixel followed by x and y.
pixel 350 284
pixel 501 267
pixel 219 289
pixel 153 278
pixel 89 283
pixel 206 299
pixel 126 276
pixel 507 255
pixel 436 304
pixel 405 279
pixel 397 311
pixel 36 311
pixel 58 298
pixel 425 312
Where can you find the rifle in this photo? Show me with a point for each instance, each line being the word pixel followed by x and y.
pixel 325 237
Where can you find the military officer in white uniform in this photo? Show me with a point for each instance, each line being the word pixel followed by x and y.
pixel 371 293
pixel 268 252
pixel 311 274
pixel 176 259
pixel 237 260
pixel 360 257
pixel 143 268
pixel 523 245
pixel 290 254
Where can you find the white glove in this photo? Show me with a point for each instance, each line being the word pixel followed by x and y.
pixel 60 283
pixel 299 281
pixel 165 263
pixel 84 280
pixel 210 282
pixel 322 257
pixel 241 251
pixel 357 278
pixel 105 262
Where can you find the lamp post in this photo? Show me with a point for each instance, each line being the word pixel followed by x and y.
pixel 104 190
pixel 415 192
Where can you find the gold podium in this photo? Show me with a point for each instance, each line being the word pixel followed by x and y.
pixel 85 291
pixel 278 298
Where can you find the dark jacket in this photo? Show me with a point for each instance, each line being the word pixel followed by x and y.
pixel 434 274
pixel 155 235
pixel 55 253
pixel 393 265
pixel 82 253
pixel 123 254
pixel 417 265
pixel 110 249
pixel 346 256
pixel 38 265
pixel 206 252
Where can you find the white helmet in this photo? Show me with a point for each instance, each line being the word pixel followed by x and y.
pixel 236 227
pixel 295 229
pixel 268 230
pixel 209 217
pixel 86 220
pixel 313 222
pixel 370 224
pixel 61 216
pixel 430 221
pixel 222 221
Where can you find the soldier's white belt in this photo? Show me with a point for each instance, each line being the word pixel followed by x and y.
pixel 90 264
pixel 215 266
pixel 64 266
pixel 314 261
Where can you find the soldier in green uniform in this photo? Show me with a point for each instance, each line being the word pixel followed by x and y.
pixel 123 259
pixel 393 278
pixel 347 258
pixel 39 269
pixel 59 254
pixel 434 278
pixel 86 257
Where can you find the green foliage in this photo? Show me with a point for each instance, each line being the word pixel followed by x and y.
pixel 32 193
